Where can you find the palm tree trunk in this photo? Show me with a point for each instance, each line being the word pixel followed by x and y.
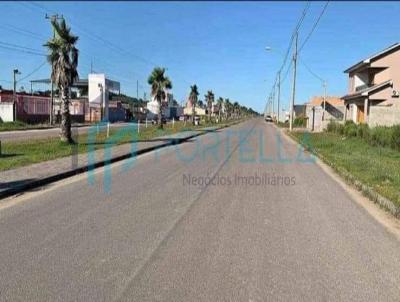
pixel 65 133
pixel 193 112
pixel 160 124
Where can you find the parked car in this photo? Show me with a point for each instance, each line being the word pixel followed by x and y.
pixel 269 119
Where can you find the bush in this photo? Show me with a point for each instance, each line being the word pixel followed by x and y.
pixel 300 122
pixel 381 136
pixel 363 131
pixel 350 129
pixel 335 127
pixel 395 143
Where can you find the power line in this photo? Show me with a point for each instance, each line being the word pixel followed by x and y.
pixel 315 25
pixel 296 29
pixel 33 71
pixel 19 46
pixel 21 31
pixel 310 71
pixel 21 50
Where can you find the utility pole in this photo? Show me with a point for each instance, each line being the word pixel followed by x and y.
pixel 52 18
pixel 294 83
pixel 323 115
pixel 137 89
pixel 273 103
pixel 101 101
pixel 15 72
pixel 279 93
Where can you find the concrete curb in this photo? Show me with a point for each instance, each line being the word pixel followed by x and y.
pixel 366 190
pixel 59 176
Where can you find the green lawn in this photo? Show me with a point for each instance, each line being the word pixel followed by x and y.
pixel 377 167
pixel 17 154
pixel 11 126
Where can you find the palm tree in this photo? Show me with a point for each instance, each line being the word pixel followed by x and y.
pixel 228 108
pixel 210 100
pixel 63 57
pixel 159 84
pixel 194 93
pixel 220 103
pixel 236 109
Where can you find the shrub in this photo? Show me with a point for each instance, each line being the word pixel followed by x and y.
pixel 381 136
pixel 335 127
pixel 363 131
pixel 350 129
pixel 395 143
pixel 300 122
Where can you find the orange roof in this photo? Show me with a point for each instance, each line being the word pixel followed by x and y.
pixel 333 100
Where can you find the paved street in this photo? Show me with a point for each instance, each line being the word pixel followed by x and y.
pixel 19 135
pixel 236 215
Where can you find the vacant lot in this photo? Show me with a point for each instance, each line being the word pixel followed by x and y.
pixel 377 167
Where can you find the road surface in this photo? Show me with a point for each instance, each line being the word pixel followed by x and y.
pixel 160 234
pixel 20 135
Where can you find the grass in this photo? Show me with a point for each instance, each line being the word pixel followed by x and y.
pixel 11 126
pixel 18 154
pixel 374 166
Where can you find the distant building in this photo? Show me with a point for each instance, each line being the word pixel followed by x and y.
pixel 317 118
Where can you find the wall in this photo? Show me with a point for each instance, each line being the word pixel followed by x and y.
pixel 392 61
pixel 6 112
pixel 335 113
pixel 384 115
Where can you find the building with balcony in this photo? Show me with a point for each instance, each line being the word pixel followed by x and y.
pixel 374 86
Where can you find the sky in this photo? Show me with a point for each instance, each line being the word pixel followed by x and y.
pixel 219 46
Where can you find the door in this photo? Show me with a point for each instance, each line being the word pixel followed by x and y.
pixel 360 114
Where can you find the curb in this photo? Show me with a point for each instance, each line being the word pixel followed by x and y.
pixel 59 176
pixel 365 190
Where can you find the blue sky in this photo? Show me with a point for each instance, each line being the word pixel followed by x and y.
pixel 217 45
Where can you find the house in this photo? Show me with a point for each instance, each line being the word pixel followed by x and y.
pixel 34 109
pixel 90 99
pixel 198 109
pixel 299 110
pixel 317 117
pixel 374 87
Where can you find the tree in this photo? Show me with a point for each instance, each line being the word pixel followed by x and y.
pixel 228 108
pixel 194 93
pixel 220 104
pixel 210 100
pixel 236 109
pixel 159 84
pixel 63 58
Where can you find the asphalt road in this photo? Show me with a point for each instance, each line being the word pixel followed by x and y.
pixel 7 136
pixel 294 235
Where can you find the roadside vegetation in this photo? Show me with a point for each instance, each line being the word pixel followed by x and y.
pixel 11 126
pixel 371 156
pixel 378 136
pixel 298 122
pixel 18 154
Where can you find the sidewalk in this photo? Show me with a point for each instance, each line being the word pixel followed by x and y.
pixel 29 177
